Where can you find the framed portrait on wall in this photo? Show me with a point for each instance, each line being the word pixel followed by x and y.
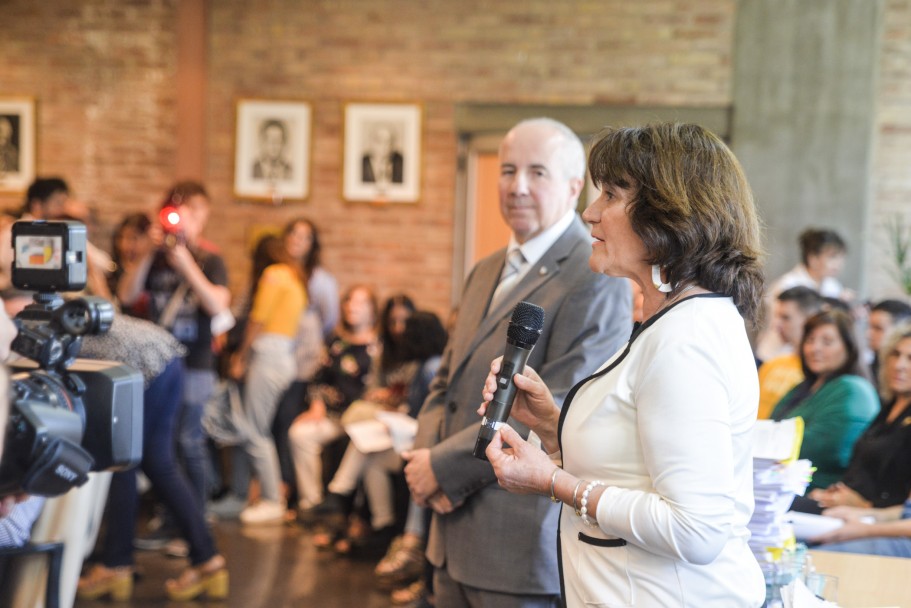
pixel 17 143
pixel 382 152
pixel 272 150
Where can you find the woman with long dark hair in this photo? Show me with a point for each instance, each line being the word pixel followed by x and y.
pixel 879 474
pixel 264 358
pixel 835 400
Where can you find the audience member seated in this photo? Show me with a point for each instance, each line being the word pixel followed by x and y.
pixel 885 531
pixel 879 474
pixel 264 360
pixel 884 316
pixel 158 355
pixel 17 516
pixel 423 341
pixel 835 401
pixel 339 382
pixel 780 374
pixel 822 255
pixel 389 377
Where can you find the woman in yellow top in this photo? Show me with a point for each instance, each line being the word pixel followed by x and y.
pixel 265 356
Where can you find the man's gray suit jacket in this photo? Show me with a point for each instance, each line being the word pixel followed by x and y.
pixel 495 540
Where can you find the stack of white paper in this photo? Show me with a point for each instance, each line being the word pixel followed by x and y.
pixel 777 478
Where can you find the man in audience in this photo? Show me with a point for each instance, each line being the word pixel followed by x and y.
pixel 48 198
pixel 490 547
pixel 822 257
pixel 884 315
pixel 780 374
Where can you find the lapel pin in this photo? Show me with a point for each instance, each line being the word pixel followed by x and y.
pixel 543 270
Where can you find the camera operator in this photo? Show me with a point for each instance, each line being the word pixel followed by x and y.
pixel 48 198
pixel 185 283
pixel 158 355
pixel 17 512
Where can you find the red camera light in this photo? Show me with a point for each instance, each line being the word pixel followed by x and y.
pixel 170 217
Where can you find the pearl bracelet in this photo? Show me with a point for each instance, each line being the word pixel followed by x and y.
pixel 553 485
pixel 588 521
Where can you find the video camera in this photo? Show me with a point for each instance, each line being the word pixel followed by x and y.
pixel 68 416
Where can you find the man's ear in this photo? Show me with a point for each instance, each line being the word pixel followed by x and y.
pixel 575 187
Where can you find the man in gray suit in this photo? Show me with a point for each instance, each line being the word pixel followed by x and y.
pixel 490 547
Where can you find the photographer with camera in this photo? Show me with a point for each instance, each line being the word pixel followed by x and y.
pixel 159 356
pixel 185 282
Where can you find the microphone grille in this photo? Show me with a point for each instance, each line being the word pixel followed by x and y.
pixel 526 323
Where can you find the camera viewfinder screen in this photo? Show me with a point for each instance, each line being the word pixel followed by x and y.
pixel 39 252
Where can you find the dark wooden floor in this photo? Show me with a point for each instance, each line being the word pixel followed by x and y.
pixel 274 566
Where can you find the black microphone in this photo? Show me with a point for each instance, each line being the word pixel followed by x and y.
pixel 525 327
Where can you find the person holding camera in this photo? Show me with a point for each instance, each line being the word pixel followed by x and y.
pixel 158 355
pixel 184 281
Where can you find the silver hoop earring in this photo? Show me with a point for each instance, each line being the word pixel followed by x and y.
pixel 657 282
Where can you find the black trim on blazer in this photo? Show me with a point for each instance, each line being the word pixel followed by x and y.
pixel 601 542
pixel 638 328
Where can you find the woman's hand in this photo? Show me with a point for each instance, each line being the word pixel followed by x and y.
pixel 8 502
pixel 838 494
pixel 850 513
pixel 534 405
pixel 380 396
pixel 520 468
pixel 237 366
pixel 850 531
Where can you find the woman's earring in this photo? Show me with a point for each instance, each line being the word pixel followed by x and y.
pixel 656 280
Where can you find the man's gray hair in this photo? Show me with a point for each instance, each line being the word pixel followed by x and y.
pixel 572 152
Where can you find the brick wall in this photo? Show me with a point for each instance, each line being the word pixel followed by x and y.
pixel 104 74
pixel 440 54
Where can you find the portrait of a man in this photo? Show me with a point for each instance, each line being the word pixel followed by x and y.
pixel 9 146
pixel 272 150
pixel 382 154
pixel 271 163
pixel 382 162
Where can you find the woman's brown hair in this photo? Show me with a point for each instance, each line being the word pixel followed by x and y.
pixel 844 324
pixel 692 207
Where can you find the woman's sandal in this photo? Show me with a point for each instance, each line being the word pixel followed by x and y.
pixel 209 579
pixel 102 581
